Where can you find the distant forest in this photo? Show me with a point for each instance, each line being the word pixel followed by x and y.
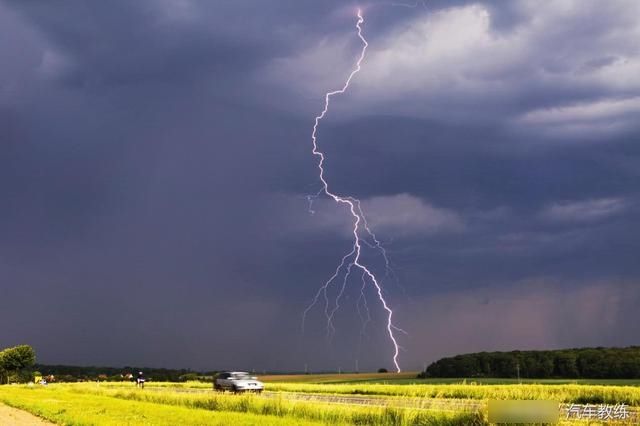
pixel 587 363
pixel 69 373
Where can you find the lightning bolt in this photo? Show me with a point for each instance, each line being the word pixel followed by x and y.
pixel 353 258
pixel 367 319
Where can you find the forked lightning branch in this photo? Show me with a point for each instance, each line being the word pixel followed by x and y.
pixel 353 258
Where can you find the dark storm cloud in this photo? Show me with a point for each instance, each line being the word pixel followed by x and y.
pixel 136 43
pixel 155 159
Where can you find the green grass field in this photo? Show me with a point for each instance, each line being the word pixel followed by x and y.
pixel 301 400
pixel 64 406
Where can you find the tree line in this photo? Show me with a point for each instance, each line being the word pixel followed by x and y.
pixel 71 373
pixel 588 363
pixel 17 365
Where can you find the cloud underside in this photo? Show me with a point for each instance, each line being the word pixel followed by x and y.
pixel 550 71
pixel 585 210
pixel 400 215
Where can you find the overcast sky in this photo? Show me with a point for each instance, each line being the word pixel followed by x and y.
pixel 155 163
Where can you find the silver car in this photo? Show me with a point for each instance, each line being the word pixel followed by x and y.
pixel 237 381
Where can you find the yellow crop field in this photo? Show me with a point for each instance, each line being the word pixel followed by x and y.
pixel 297 400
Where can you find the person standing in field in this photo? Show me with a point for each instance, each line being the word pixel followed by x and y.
pixel 140 380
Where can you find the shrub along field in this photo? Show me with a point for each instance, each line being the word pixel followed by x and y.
pixel 293 402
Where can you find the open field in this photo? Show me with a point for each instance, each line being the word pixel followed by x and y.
pixel 86 404
pixel 306 400
pixel 581 394
pixel 62 405
pixel 339 378
pixel 409 378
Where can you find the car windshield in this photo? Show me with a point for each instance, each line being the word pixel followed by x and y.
pixel 241 376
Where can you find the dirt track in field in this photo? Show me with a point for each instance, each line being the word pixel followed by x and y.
pixel 10 416
pixel 423 403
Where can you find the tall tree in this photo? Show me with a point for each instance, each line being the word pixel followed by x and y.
pixel 15 361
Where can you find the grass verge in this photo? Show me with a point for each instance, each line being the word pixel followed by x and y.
pixel 66 407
